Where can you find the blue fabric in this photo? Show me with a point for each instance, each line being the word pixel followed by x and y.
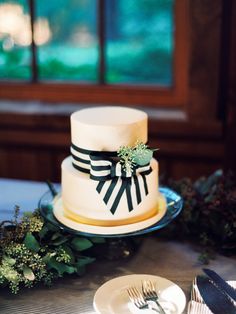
pixel 24 193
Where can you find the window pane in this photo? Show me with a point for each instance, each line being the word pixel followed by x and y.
pixel 139 41
pixel 65 33
pixel 15 40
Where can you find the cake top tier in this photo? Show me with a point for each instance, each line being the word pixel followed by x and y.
pixel 108 128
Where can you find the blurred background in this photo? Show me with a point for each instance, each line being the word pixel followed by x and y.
pixel 175 59
pixel 138 40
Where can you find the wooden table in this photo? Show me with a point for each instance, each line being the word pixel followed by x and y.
pixel 173 260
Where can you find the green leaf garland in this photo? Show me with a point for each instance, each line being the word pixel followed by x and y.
pixel 33 250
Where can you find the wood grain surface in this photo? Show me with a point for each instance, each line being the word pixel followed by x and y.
pixel 175 261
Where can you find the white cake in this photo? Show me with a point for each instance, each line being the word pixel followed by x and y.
pixel 95 190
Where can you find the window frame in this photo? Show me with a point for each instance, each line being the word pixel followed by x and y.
pixel 169 97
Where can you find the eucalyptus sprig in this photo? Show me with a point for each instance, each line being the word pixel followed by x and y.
pixel 142 154
pixel 138 155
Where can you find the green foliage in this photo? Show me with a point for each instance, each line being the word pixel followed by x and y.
pixel 33 250
pixel 98 240
pixel 31 243
pixel 209 215
pixel 142 155
pixel 59 267
pixel 81 244
pixel 81 264
pixel 131 157
pixel 125 153
pixel 28 273
pixel 58 70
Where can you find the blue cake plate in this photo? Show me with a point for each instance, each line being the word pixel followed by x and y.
pixel 174 206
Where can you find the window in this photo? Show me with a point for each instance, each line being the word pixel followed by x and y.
pixel 119 51
pixel 15 40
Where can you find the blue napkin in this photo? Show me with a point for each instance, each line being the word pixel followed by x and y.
pixel 196 305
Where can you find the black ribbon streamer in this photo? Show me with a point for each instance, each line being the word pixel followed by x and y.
pixel 110 170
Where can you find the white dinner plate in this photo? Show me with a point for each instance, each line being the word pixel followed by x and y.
pixel 123 229
pixel 112 297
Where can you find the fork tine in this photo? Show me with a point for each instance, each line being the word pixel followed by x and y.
pixel 144 287
pixel 152 286
pixel 132 297
pixel 130 292
pixel 152 289
pixel 149 292
pixel 138 300
pixel 139 296
pixel 136 297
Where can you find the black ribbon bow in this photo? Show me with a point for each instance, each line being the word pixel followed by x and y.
pixel 103 168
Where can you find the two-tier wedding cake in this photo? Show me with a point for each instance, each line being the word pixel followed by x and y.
pixel 110 179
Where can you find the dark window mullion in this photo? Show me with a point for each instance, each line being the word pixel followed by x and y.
pixel 34 66
pixel 101 40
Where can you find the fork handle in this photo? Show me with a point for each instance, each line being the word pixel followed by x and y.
pixel 160 308
pixel 153 308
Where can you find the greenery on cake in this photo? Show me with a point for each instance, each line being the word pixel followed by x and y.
pixel 133 156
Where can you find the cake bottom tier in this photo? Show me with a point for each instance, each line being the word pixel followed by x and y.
pixel 84 204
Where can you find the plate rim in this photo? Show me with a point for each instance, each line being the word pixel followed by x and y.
pixel 156 277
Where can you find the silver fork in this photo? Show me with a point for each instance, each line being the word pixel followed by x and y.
pixel 138 300
pixel 150 294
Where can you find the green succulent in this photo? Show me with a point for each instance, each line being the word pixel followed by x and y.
pixel 138 155
pixel 142 158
